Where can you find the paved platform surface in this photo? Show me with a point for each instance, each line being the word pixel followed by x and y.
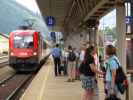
pixel 58 89
pixel 46 86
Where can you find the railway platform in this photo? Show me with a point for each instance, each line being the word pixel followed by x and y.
pixel 46 86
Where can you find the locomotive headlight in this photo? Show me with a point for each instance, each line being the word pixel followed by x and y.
pixel 12 53
pixel 35 53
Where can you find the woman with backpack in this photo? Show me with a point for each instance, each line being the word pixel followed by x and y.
pixel 111 66
pixel 88 74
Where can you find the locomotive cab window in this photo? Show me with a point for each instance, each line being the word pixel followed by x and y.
pixel 23 41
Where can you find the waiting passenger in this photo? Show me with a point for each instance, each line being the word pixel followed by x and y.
pixel 77 74
pixel 88 75
pixel 111 66
pixel 71 64
pixel 63 66
pixel 82 53
pixel 56 53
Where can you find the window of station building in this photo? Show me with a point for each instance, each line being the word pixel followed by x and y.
pixel 23 41
pixel 129 53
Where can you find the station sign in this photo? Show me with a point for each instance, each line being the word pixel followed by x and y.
pixel 50 21
pixel 128 20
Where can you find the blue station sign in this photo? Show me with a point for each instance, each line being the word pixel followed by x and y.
pixel 129 20
pixel 50 21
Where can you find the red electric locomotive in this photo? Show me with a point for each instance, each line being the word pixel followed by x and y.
pixel 25 50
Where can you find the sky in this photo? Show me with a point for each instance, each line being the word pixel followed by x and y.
pixel 30 4
pixel 108 20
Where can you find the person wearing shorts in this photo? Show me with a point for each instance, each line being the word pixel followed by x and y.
pixel 89 83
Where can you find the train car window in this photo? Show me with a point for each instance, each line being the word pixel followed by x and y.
pixel 23 41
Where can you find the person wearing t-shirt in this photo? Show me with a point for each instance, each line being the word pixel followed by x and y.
pixel 71 64
pixel 88 79
pixel 111 67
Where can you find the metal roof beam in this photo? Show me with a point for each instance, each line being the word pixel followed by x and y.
pixel 70 12
pixel 95 9
pixel 80 7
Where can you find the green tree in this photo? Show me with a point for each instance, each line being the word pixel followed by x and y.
pixel 110 31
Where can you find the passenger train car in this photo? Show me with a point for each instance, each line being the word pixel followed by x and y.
pixel 25 50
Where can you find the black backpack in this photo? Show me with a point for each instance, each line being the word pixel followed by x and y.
pixel 71 56
pixel 121 79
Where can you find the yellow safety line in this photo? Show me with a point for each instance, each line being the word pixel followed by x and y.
pixel 44 84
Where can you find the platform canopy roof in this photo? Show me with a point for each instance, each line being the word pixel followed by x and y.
pixel 72 14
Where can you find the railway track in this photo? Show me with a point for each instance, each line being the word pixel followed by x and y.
pixel 13 86
pixel 6 79
pixel 3 58
pixel 3 61
pixel 10 87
